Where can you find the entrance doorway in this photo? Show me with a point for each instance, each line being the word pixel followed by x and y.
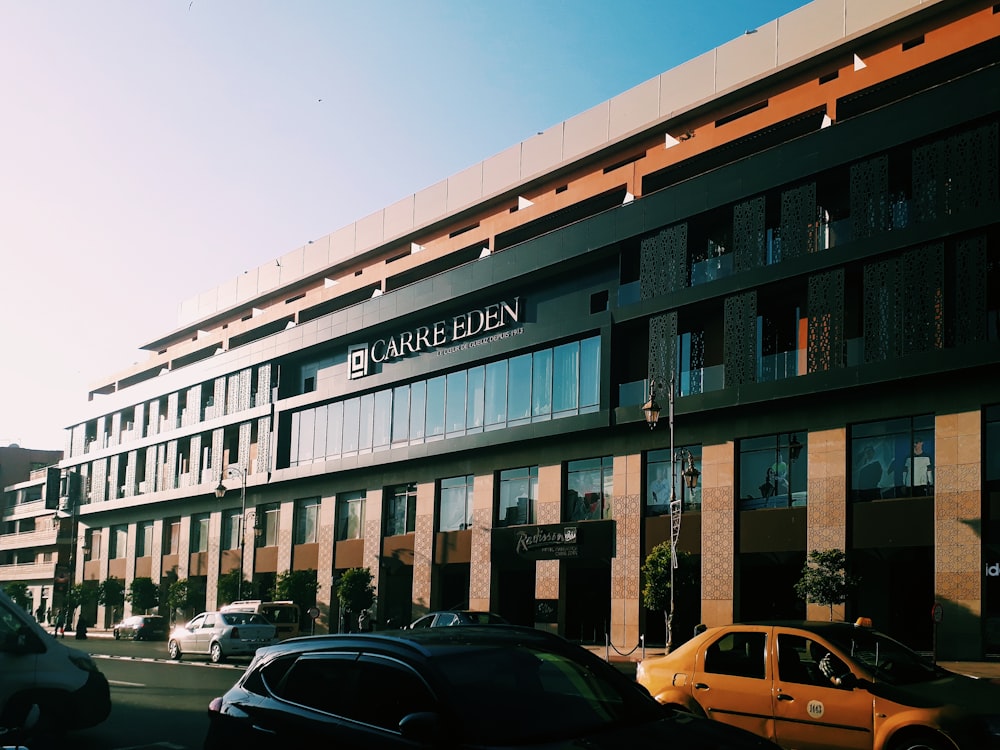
pixel 588 602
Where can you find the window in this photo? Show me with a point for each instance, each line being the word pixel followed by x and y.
pixel 350 515
pixel 267 521
pixel 118 542
pixel 773 472
pixel 306 521
pixel 739 654
pixel 518 496
pixel 658 477
pixel 894 458
pixel 171 536
pixel 144 539
pixel 455 512
pixel 199 532
pixel 588 489
pixel 400 510
pixel 231 530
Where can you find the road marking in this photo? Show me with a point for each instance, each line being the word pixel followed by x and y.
pixel 122 683
pixel 152 660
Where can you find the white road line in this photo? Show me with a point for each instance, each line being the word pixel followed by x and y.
pixel 122 683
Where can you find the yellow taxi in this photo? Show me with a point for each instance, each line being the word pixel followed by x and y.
pixel 825 685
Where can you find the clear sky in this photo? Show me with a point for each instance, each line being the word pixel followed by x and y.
pixel 153 149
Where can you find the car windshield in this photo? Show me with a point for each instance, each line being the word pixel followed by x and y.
pixel 517 695
pixel 888 660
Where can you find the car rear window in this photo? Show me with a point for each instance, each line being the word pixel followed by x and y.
pixel 243 618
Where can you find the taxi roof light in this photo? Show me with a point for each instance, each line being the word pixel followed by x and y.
pixel 863 622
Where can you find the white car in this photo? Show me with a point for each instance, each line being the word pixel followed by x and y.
pixel 221 635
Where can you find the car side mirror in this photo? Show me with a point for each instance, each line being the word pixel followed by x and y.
pixel 848 681
pixel 423 727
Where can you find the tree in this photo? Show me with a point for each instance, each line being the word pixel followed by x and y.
pixel 299 586
pixel 19 593
pixel 178 593
pixel 825 579
pixel 656 582
pixel 355 591
pixel 111 593
pixel 229 586
pixel 143 594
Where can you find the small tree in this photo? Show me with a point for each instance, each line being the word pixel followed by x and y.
pixel 178 593
pixel 656 582
pixel 825 580
pixel 229 588
pixel 355 591
pixel 111 593
pixel 299 586
pixel 19 593
pixel 143 594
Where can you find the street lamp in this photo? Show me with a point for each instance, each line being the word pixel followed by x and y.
pixel 220 492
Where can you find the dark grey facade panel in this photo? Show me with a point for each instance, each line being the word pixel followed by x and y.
pixel 826 342
pixel 741 336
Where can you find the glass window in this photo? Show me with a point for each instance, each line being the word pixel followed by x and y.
pixel 400 510
pixel 658 476
pixel 307 521
pixel 773 471
pixel 335 429
pixel 401 415
pixel 231 530
pixel 171 536
pixel 456 504
pixel 383 420
pixel 350 515
pixel 144 539
pixel 590 373
pixel 519 388
pixel 739 654
pixel 457 384
pixel 267 521
pixel 352 417
pixel 118 542
pixel 541 383
pixel 893 458
pixel 320 433
pixel 518 496
pixel 199 532
pixel 588 489
pixel 307 422
pixel 474 406
pixel 366 422
pixel 496 393
pixel 418 407
pixel 566 377
pixel 435 408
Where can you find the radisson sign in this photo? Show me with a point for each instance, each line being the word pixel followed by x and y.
pixel 480 325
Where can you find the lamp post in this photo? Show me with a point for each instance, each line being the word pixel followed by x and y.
pixel 652 413
pixel 220 492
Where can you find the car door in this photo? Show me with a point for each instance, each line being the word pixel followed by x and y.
pixel 191 633
pixel 731 681
pixel 810 712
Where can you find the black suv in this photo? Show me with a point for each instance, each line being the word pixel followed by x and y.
pixel 142 628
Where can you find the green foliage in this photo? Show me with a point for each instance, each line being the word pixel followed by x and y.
pixel 178 594
pixel 355 591
pixel 111 592
pixel 19 593
pixel 299 586
pixel 656 577
pixel 229 586
pixel 143 594
pixel 825 580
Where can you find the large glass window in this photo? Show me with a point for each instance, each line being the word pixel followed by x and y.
pixel 144 539
pixel 350 515
pixel 541 383
pixel 401 415
pixel 118 542
pixel 519 389
pixel 400 510
pixel 659 474
pixel 199 532
pixel 588 489
pixel 266 520
pixel 456 504
pixel 518 496
pixel 171 536
pixel 566 377
pixel 457 387
pixel 306 521
pixel 434 418
pixel 892 458
pixel 773 471
pixel 496 394
pixel 231 530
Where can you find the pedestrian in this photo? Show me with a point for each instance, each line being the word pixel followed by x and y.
pixel 60 628
pixel 364 621
pixel 81 629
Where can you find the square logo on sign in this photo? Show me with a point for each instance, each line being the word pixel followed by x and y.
pixel 357 361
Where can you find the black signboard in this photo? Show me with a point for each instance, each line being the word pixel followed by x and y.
pixel 592 540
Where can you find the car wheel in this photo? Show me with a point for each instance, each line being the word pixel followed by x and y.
pixel 174 650
pixel 216 654
pixel 920 742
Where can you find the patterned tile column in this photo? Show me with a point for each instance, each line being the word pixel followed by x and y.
pixel 129 566
pixel 718 534
pixel 958 558
pixel 481 572
pixel 626 564
pixel 286 525
pixel 827 508
pixel 214 559
pixel 423 547
pixel 324 565
pixel 373 534
pixel 549 511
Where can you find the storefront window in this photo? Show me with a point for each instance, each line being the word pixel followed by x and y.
pixel 518 496
pixel 400 510
pixel 306 521
pixel 350 515
pixel 893 458
pixel 455 513
pixel 588 489
pixel 658 477
pixel 774 471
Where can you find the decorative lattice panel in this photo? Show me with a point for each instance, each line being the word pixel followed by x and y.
pixel 970 283
pixel 246 432
pixel 263 444
pixel 749 234
pixel 170 468
pixel 741 339
pixel 195 459
pixel 880 318
pixel 219 396
pixel 696 380
pixel 826 322
pixel 956 173
pixel 663 265
pixel 129 490
pixel 798 221
pixel 662 347
pixel 263 384
pixel 921 272
pixel 99 485
pixel 114 491
pixel 173 401
pixel 870 197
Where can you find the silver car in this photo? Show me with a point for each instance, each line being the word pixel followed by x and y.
pixel 221 635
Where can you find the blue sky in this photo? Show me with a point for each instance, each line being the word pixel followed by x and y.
pixel 151 150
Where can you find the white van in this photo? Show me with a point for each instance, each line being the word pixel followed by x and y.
pixel 37 670
pixel 284 615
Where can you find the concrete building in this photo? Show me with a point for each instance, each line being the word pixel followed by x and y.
pixel 792 237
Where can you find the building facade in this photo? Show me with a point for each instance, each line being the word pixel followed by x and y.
pixel 793 239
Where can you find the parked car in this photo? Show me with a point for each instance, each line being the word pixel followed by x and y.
pixel 825 685
pixel 142 628
pixel 456 617
pixel 40 677
pixel 221 635
pixel 468 687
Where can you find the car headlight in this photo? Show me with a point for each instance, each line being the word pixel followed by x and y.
pixel 84 662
